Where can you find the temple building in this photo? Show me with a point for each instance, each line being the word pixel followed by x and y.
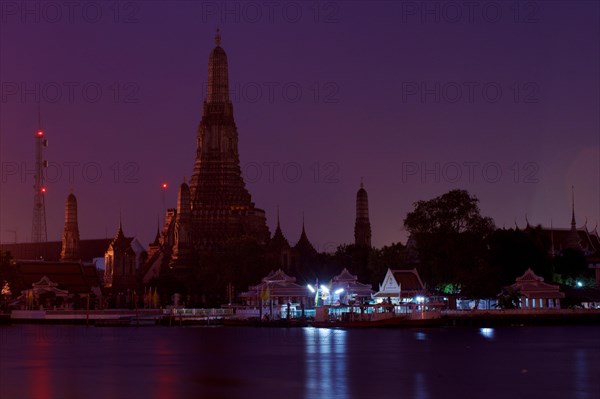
pixel 221 206
pixel 120 264
pixel 277 294
pixel 70 239
pixel 215 208
pixel 279 251
pixel 346 289
pixel 573 238
pixel 401 286
pixel 362 226
pixel 535 293
pixel 65 282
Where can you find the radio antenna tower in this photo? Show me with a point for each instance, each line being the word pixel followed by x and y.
pixel 38 226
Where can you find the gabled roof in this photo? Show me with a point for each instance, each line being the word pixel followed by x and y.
pixel 406 282
pixel 278 276
pixel 350 284
pixel 303 246
pixel 345 275
pixel 277 284
pixel 278 241
pixel 532 285
pixel 409 280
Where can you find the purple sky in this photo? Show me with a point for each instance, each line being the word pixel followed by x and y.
pixel 335 91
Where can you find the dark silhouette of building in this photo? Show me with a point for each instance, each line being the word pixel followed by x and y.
pixel 120 264
pixel 362 226
pixel 70 251
pixel 221 206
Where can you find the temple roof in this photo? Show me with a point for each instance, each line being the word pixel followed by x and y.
pixel 70 276
pixel 407 283
pixel 276 284
pixel 120 242
pixel 533 286
pixel 345 275
pixel 303 246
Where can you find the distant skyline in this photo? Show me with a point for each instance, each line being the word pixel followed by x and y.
pixel 416 98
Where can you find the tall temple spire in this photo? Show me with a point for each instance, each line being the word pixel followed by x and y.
pixel 362 226
pixel 218 37
pixel 182 246
pixel 573 224
pixel 573 240
pixel 218 76
pixel 70 251
pixel 221 206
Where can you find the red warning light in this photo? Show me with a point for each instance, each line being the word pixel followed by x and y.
pixel 43 189
pixel 164 185
pixel 39 133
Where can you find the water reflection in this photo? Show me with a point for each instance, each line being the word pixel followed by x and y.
pixel 420 387
pixel 581 374
pixel 326 363
pixel 487 333
pixel 40 369
pixel 420 336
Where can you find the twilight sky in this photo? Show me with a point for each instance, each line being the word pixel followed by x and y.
pixel 499 98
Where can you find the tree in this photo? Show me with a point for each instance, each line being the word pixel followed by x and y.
pixel 451 238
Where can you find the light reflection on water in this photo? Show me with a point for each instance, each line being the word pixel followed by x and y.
pixel 487 332
pixel 326 363
pixel 167 363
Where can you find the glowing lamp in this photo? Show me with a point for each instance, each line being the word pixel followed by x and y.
pixel 339 291
pixel 39 133
pixel 43 189
pixel 324 289
pixel 164 185
pixel 310 287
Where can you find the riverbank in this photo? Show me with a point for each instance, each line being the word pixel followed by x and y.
pixel 150 317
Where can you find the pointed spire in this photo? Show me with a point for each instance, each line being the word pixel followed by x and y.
pixel 572 206
pixel 218 37
pixel 573 241
pixel 552 251
pixel 277 216
pixel 527 222
pixel 362 225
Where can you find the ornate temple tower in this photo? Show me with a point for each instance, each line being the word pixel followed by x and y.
pixel 70 239
pixel 362 226
pixel 119 264
pixel 182 245
pixel 222 207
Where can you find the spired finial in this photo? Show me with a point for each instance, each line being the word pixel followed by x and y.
pixel 277 215
pixel 218 37
pixel 361 182
pixel 573 205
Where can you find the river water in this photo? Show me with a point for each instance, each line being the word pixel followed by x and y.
pixel 237 362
